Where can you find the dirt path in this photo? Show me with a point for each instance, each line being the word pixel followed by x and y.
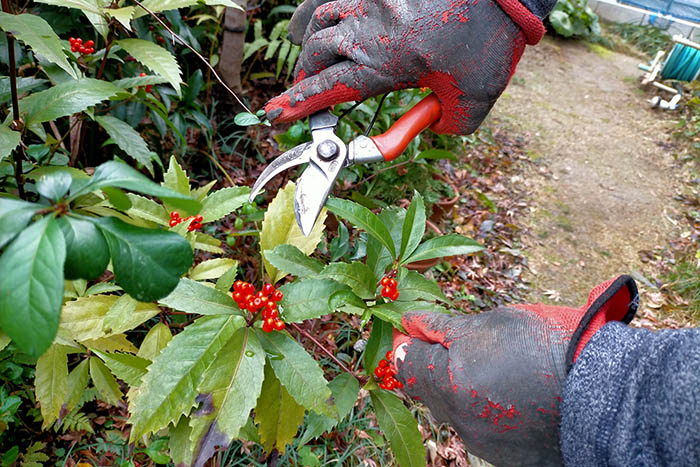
pixel 606 173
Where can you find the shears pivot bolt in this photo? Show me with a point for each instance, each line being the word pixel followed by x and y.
pixel 327 150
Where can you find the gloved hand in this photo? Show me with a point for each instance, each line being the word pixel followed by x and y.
pixel 464 51
pixel 497 376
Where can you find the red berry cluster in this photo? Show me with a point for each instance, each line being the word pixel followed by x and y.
pixel 148 86
pixel 266 299
pixel 76 45
pixel 389 289
pixel 196 223
pixel 386 374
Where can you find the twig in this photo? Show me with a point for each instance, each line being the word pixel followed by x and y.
pixel 324 350
pixel 400 164
pixel 104 59
pixel 16 121
pixel 204 60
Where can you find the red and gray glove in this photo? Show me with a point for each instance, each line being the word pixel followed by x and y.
pixel 497 376
pixel 465 51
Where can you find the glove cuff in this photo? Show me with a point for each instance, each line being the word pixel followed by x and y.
pixel 614 300
pixel 530 24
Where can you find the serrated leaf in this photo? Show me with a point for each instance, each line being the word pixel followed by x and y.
pixel 225 282
pixel 176 178
pixel 277 414
pixel 298 372
pixel 193 297
pixel 81 5
pixel 120 175
pixel 147 209
pixel 24 85
pixel 223 202
pixel 128 368
pixel 155 341
pixel 51 382
pixel 31 289
pixel 208 243
pixel 76 383
pixel 280 227
pixel 389 312
pixel 212 268
pixel 228 391
pixel 379 343
pixel 104 382
pixel 126 314
pixel 9 139
pixel 117 198
pixel 37 34
pixel 345 389
pixel 138 253
pixel 65 99
pixel 113 343
pixel 414 286
pixel 200 193
pixel 87 255
pixel 347 302
pixel 378 257
pixel 308 298
pixel 181 449
pixel 4 340
pixel 34 457
pixel 413 226
pixel 15 214
pixel 291 260
pixel 136 81
pixel 356 275
pixel 128 140
pixel 364 219
pixel 446 245
pixel 168 389
pixel 156 58
pixel 165 5
pixel 400 427
pixel 123 15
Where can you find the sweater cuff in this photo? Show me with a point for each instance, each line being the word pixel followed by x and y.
pixel 633 398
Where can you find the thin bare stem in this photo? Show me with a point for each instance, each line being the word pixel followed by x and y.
pixel 16 121
pixel 324 350
pixel 204 60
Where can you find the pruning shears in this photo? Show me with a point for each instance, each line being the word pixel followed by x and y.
pixel 327 155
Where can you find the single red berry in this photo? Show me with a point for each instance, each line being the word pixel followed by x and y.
pixel 389 355
pixel 198 218
pixel 379 371
pixel 78 40
pixel 142 74
pixel 394 295
pixel 173 222
pixel 389 373
pixel 268 289
pixel 392 282
pixel 270 305
pixel 266 327
pixel 242 305
pixel 73 48
pixel 386 291
pixel 257 303
pixel 249 288
pixel 384 281
pixel 382 385
pixel 89 43
pixel 270 321
pixel 161 39
pixel 383 363
pixel 277 296
pixel 237 286
pixel 174 215
pixel 71 39
pixel 399 384
pixel 237 296
pixel 149 87
pixel 279 325
pixel 150 28
pixel 272 313
pixel 197 226
pixel 389 386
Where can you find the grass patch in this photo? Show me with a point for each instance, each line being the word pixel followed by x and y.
pixel 684 279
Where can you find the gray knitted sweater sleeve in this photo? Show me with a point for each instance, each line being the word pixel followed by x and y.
pixel 633 399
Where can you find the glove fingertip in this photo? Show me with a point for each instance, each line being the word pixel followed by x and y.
pixel 426 326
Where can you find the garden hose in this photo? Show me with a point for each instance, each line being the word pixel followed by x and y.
pixel 683 63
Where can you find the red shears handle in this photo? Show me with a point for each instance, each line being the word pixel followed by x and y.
pixel 393 142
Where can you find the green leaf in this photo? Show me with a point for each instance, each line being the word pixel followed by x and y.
pixel 164 5
pixel 356 275
pixel 446 245
pixel 345 389
pixel 14 216
pixel 81 5
pixel 212 268
pixel 54 186
pixel 378 257
pixel 144 208
pixel 413 226
pixel 37 34
pixel 246 119
pixel 308 298
pixel 104 382
pixel 4 340
pixel 561 22
pixel 176 178
pixel 77 383
pixel 200 193
pixel 24 85
pixel 414 286
pixel 193 297
pixel 112 343
pixel 117 198
pixel 128 368
pixel 223 202
pixel 126 314
pixel 123 15
pixel 208 243
pixel 277 414
pixel 9 139
pixel 226 280
pixel 156 58
pixel 31 289
pixel 298 372
pixel 289 259
pixel 128 140
pixel 280 227
pixel 87 255
pixel 137 253
pixel 380 342
pixel 346 301
pixel 137 81
pixel 65 99
pixel 51 382
pixel 168 389
pixel 364 219
pixel 155 341
pixel 400 427
pixel 120 175
pixel 228 391
pixel 182 451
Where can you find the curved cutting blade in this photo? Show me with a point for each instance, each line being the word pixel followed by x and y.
pixel 313 188
pixel 295 156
